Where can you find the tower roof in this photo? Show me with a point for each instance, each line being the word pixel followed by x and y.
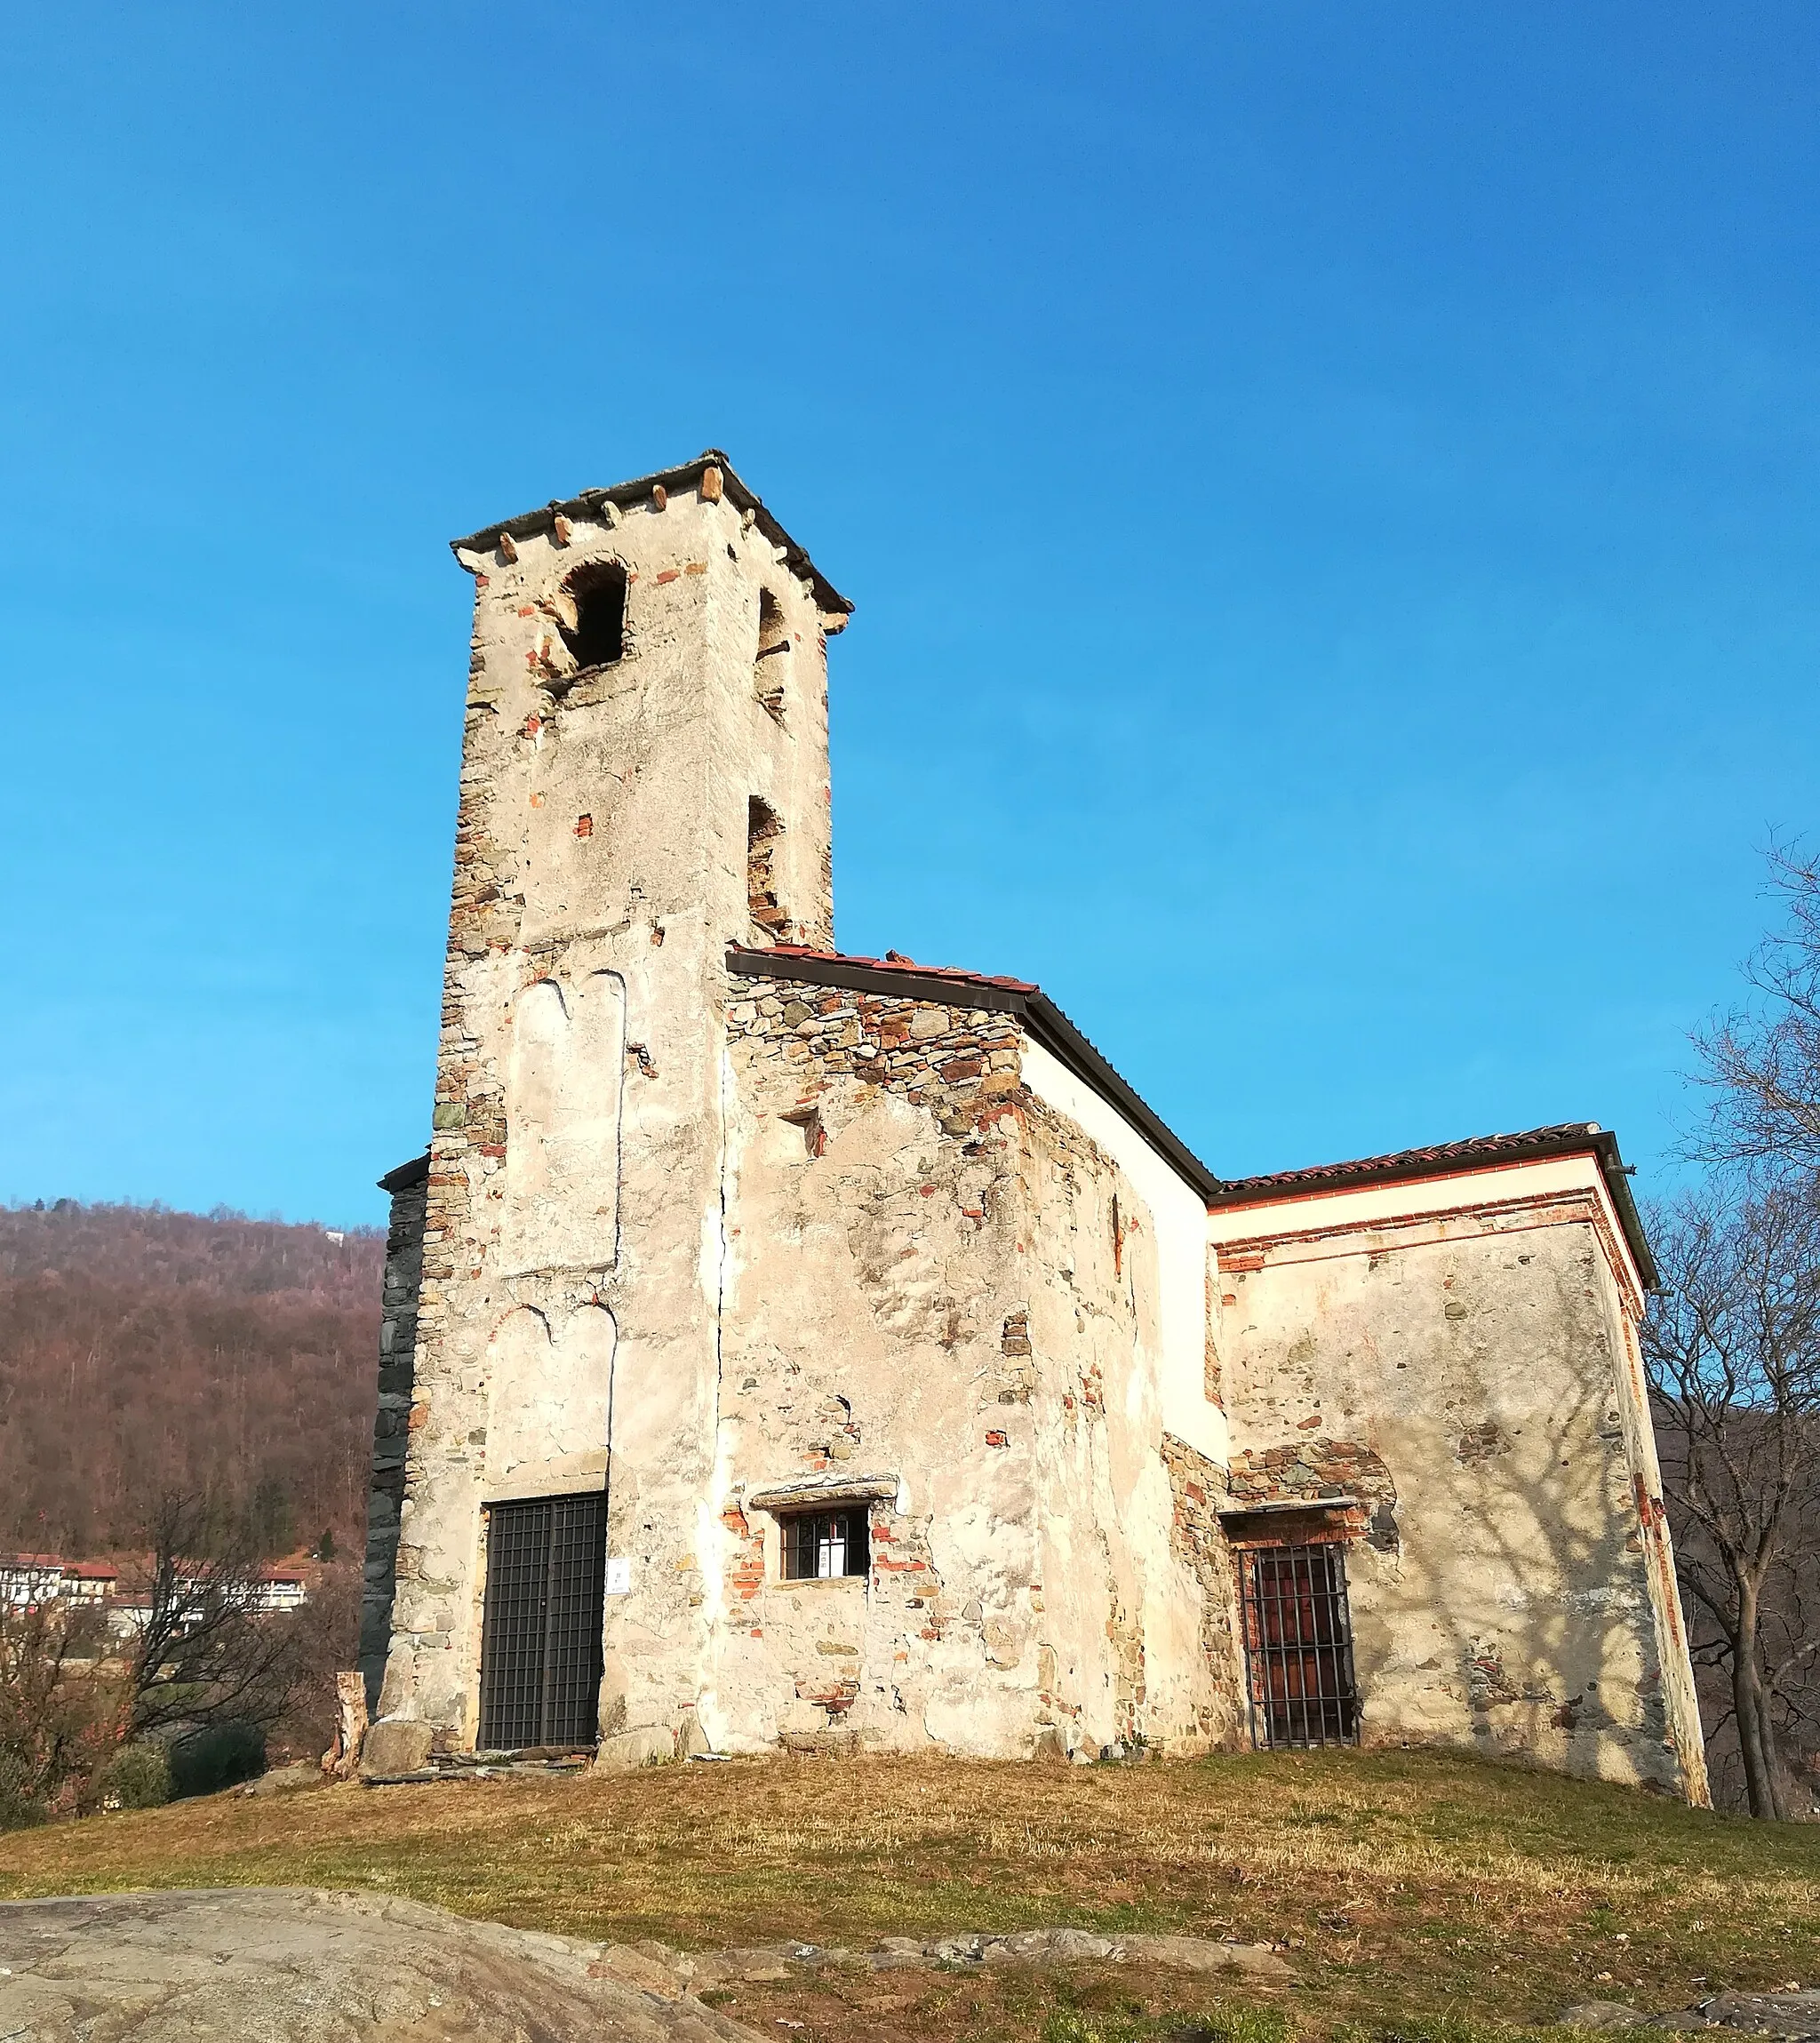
pixel 639 487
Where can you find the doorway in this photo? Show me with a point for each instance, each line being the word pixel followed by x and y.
pixel 540 1636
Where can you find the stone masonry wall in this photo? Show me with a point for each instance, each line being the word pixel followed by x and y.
pixel 941 1283
pixel 1198 1543
pixel 876 1329
pixel 403 1273
pixel 956 1062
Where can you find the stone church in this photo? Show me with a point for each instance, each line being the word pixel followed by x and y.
pixel 786 1351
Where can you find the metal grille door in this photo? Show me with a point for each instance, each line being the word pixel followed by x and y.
pixel 1299 1646
pixel 540 1644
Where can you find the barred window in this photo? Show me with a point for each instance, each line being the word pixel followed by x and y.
pixel 820 1545
pixel 1299 1646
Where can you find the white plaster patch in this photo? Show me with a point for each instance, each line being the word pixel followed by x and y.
pixel 562 1122
pixel 552 1383
pixel 1178 1214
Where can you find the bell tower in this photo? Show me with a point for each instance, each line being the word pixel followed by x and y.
pixel 644 780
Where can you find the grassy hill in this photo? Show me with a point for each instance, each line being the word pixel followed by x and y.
pixel 1416 1893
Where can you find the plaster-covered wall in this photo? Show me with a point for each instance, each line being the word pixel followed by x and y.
pixel 573 1236
pixel 939 1284
pixel 872 1331
pixel 1462 1372
pixel 1175 1350
pixel 1137 1581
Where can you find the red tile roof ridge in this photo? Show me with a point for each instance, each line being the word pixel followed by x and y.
pixel 897 962
pixel 1471 1149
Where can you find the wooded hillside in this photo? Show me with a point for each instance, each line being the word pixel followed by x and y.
pixel 142 1349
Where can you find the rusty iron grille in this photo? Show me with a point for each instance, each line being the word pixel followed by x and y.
pixel 1299 1646
pixel 540 1636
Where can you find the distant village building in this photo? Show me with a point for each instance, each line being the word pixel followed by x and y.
pixel 29 1579
pixel 90 1582
pixel 128 1615
pixel 280 1589
pixel 271 1590
pixel 786 1350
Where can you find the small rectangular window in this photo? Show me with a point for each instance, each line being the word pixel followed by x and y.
pixel 820 1545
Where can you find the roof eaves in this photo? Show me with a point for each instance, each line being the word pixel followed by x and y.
pixel 1059 1036
pixel 1444 1160
pixel 407 1174
pixel 1617 1174
pixel 640 487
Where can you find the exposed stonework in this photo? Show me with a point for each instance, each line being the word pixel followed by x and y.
pixel 1198 1540
pixel 404 1274
pixel 1317 1466
pixel 755 1249
pixel 955 1062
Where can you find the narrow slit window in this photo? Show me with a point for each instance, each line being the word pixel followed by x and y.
pixel 823 1545
pixel 1299 1646
pixel 773 640
pixel 591 613
pixel 763 831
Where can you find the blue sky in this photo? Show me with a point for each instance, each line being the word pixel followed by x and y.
pixel 1331 494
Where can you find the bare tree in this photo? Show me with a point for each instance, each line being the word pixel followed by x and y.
pixel 1733 1346
pixel 1762 1059
pixel 52 1718
pixel 206 1653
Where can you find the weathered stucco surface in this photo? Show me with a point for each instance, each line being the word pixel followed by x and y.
pixel 572 1233
pixel 925 1284
pixel 726 1225
pixel 1463 1371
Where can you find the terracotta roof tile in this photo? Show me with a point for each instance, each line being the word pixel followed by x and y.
pixel 895 961
pixel 1440 1156
pixel 1563 1139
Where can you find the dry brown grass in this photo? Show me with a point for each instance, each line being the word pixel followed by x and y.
pixel 1409 1889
